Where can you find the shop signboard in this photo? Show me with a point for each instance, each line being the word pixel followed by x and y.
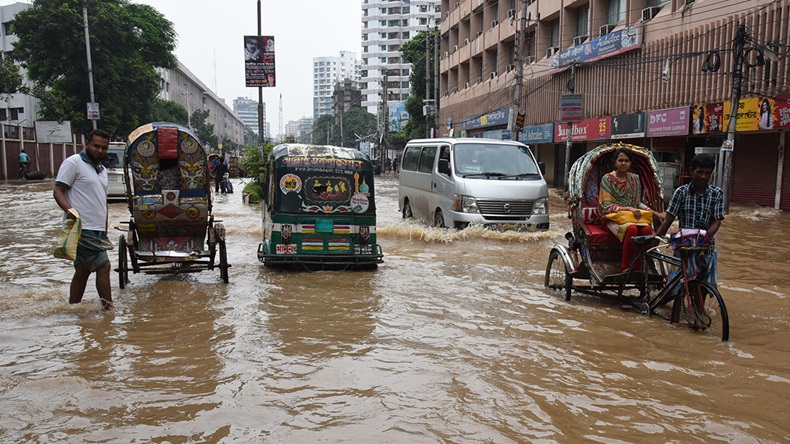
pixel 617 42
pixel 498 117
pixel 707 118
pixel 668 122
pixel 537 134
pixel 598 128
pixel 628 126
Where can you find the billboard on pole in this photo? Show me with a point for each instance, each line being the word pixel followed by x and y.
pixel 259 60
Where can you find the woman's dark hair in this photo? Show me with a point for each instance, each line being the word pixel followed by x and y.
pixel 627 151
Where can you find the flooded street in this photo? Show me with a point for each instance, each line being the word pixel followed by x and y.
pixel 453 339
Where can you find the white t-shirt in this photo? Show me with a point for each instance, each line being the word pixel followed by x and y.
pixel 87 190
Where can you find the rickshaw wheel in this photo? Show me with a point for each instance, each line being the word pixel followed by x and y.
pixel 557 276
pixel 223 261
pixel 123 264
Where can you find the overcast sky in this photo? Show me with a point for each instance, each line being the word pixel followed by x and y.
pixel 210 44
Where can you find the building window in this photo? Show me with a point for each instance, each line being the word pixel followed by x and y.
pixel 582 20
pixel 554 29
pixel 7 28
pixel 616 11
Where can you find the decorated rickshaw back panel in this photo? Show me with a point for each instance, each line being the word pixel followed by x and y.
pixel 170 202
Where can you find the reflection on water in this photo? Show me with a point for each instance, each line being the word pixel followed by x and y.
pixel 452 339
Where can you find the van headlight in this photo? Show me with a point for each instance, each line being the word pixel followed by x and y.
pixel 466 204
pixel 541 206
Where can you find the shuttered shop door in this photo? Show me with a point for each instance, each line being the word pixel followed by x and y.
pixel 754 169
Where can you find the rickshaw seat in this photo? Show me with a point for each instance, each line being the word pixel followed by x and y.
pixel 594 229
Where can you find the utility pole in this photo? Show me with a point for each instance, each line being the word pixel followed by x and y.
pixel 261 136
pixel 728 146
pixel 428 88
pixel 568 141
pixel 385 118
pixel 88 52
pixel 437 42
pixel 519 48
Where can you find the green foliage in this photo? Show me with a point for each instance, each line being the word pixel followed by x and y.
pixel 255 191
pixel 169 111
pixel 203 129
pixel 128 41
pixel 10 78
pixel 356 123
pixel 253 162
pixel 414 52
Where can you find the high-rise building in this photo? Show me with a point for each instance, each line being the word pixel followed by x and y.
pixel 17 109
pixel 247 110
pixel 386 25
pixel 327 72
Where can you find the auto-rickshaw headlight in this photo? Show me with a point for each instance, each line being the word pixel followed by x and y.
pixel 466 204
pixel 541 206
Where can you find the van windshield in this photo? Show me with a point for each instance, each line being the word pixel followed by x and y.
pixel 494 160
pixel 113 159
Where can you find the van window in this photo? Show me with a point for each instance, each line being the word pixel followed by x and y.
pixel 113 159
pixel 483 160
pixel 410 158
pixel 426 160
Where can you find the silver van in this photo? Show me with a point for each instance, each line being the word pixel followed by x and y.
pixel 457 182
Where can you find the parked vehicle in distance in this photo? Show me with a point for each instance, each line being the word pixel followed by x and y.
pixel 458 182
pixel 319 208
pixel 113 161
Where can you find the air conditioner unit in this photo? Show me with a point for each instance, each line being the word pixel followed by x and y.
pixel 479 80
pixel 605 29
pixel 456 5
pixel 446 93
pixel 529 60
pixel 455 48
pixel 551 51
pixel 466 85
pixel 455 90
pixel 511 13
pixel 688 2
pixel 510 67
pixel 493 75
pixel 446 54
pixel 494 24
pixel 649 13
pixel 466 42
pixel 579 39
pixel 477 36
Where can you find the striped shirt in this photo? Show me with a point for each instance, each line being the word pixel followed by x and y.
pixel 697 210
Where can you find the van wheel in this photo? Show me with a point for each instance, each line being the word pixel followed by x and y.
pixel 407 214
pixel 438 219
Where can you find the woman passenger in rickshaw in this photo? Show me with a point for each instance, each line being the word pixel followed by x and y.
pixel 620 203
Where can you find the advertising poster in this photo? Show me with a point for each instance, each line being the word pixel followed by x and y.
pixel 259 61
pixel 781 112
pixel 668 122
pixel 748 114
pixel 707 118
pixel 398 116
pixel 628 126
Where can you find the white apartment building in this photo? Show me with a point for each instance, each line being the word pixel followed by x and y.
pixel 247 110
pixel 17 109
pixel 386 25
pixel 327 71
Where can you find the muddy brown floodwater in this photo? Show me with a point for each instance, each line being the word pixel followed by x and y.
pixel 453 339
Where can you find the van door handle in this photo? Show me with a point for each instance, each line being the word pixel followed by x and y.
pixel 433 184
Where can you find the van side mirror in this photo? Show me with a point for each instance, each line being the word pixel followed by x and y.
pixel 444 167
pixel 542 168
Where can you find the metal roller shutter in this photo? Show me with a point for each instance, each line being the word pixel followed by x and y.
pixel 754 169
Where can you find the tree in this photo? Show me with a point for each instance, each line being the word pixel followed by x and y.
pixel 356 123
pixel 228 146
pixel 324 130
pixel 169 111
pixel 414 52
pixel 203 129
pixel 128 41
pixel 11 80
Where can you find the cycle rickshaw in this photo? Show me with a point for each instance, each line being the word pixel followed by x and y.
pixel 590 262
pixel 172 229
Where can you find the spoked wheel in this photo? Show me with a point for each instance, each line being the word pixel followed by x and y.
pixel 407 214
pixel 223 261
pixel 123 263
pixel 704 310
pixel 557 276
pixel 438 219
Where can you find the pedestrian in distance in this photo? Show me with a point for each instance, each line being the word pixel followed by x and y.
pixel 24 164
pixel 699 205
pixel 82 184
pixel 219 174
